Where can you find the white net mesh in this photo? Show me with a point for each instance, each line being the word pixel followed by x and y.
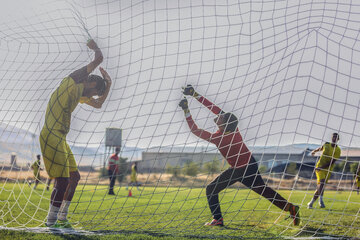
pixel 289 71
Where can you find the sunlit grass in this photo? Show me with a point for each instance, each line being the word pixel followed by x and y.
pixel 183 212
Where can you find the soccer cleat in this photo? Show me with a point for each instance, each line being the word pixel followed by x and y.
pixel 214 222
pixel 322 204
pixel 64 224
pixel 55 225
pixel 310 205
pixel 294 214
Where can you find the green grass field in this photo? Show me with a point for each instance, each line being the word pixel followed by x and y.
pixel 164 213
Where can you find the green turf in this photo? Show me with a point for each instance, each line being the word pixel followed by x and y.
pixel 167 212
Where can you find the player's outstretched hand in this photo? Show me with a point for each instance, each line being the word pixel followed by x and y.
pixel 92 44
pixel 184 104
pixel 189 90
pixel 105 76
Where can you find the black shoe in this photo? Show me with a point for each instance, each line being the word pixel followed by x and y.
pixel 111 193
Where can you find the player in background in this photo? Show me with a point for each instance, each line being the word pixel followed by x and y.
pixel 357 178
pixel 243 167
pixel 36 170
pixel 133 177
pixel 330 153
pixel 113 169
pixel 59 161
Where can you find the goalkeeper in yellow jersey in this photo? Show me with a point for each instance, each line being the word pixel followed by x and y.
pixel 330 153
pixel 78 87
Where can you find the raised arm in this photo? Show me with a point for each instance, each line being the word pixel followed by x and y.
pixel 98 56
pixel 97 103
pixel 81 75
pixel 193 127
pixel 317 150
pixel 190 91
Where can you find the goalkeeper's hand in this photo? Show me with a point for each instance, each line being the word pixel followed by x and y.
pixel 184 104
pixel 189 91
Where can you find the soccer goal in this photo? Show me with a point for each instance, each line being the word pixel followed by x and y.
pixel 288 70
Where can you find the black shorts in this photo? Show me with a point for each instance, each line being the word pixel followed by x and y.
pixel 248 175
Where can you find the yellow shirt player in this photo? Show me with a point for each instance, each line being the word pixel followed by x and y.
pixel 78 87
pixel 357 178
pixel 330 153
pixel 133 176
pixel 36 170
pixel 133 173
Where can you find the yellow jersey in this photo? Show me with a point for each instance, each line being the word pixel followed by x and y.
pixel 36 166
pixel 329 153
pixel 62 103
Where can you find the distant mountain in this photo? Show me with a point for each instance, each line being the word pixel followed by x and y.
pixel 14 135
pixel 25 144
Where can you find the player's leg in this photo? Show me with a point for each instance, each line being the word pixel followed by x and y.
pixel 56 199
pixel 48 182
pixel 318 193
pixel 321 179
pixel 70 190
pixel 112 182
pixel 321 191
pixel 37 177
pixel 134 180
pixel 225 179
pixel 253 180
pixel 53 150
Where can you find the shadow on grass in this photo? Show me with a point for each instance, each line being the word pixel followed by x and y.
pixel 308 231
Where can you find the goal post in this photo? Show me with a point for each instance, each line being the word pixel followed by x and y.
pixel 288 70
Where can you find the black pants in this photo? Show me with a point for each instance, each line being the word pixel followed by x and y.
pixel 249 176
pixel 112 177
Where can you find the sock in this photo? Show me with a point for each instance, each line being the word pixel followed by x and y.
pixel 52 215
pixel 64 208
pixel 321 199
pixel 311 202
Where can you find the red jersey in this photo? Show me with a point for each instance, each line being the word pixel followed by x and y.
pixel 230 144
pixel 113 163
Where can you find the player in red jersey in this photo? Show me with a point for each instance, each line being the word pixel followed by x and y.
pixel 113 169
pixel 243 166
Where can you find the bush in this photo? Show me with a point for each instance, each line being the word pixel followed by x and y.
pixel 262 168
pixel 343 166
pixel 212 167
pixel 291 168
pixel 354 167
pixel 103 172
pixel 175 171
pixel 191 169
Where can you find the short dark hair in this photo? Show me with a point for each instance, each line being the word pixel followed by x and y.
pixel 100 83
pixel 38 156
pixel 231 122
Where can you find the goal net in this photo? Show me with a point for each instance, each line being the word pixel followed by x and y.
pixel 289 70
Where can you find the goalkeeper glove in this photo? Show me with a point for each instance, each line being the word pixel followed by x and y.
pixel 190 91
pixel 184 104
